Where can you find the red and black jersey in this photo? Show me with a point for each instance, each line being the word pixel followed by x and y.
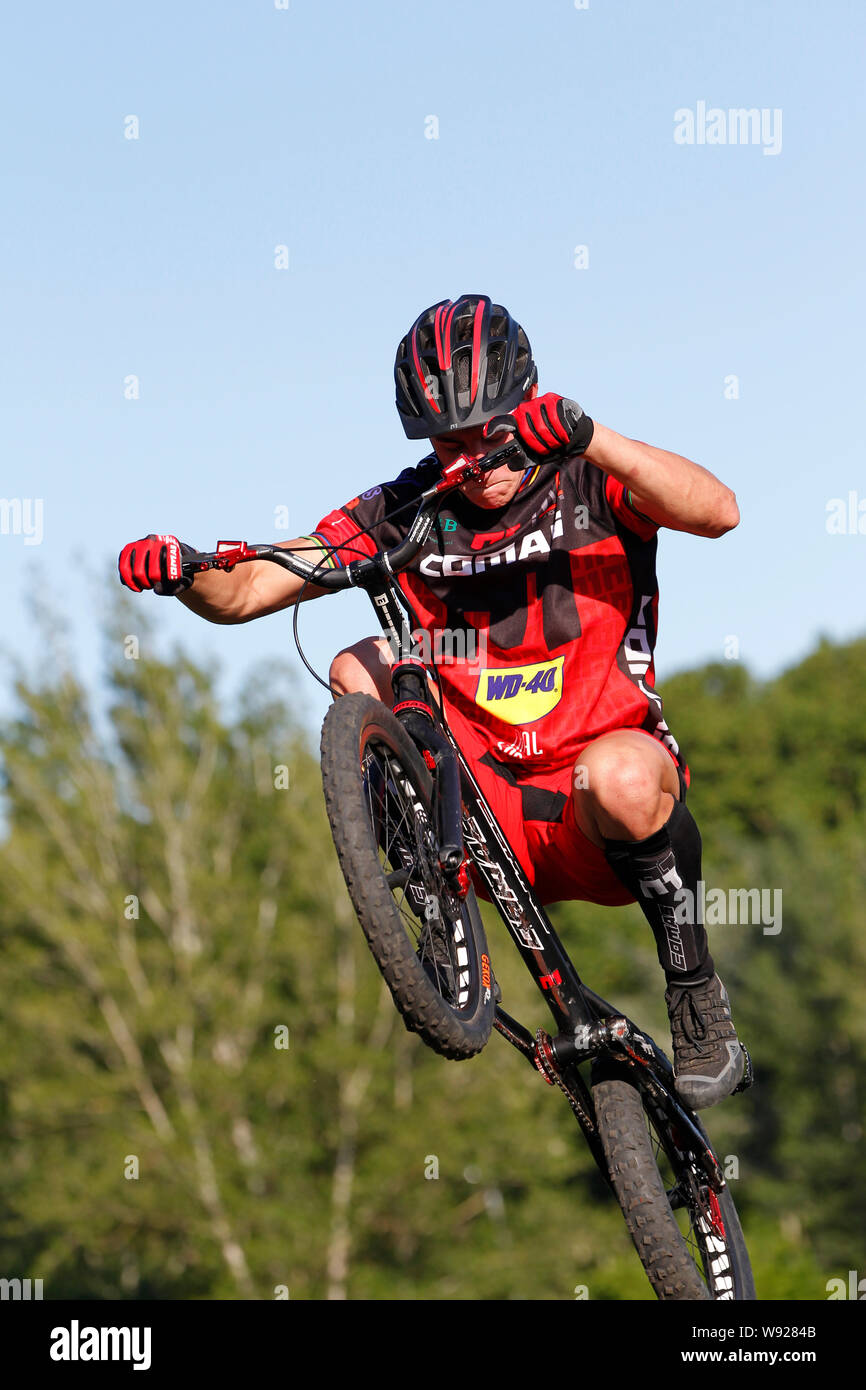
pixel 540 615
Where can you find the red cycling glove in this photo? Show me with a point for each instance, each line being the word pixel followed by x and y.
pixel 154 563
pixel 552 423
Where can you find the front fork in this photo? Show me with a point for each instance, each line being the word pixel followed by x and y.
pixel 413 708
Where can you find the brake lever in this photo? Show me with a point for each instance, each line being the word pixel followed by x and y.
pixel 463 471
pixel 225 557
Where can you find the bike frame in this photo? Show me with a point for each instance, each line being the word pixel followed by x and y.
pixel 587 1027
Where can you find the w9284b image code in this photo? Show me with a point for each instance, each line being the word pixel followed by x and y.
pixel 720 1333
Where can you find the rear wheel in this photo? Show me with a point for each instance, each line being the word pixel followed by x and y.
pixel 428 942
pixel 689 1238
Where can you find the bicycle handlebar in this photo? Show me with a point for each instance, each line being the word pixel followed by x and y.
pixel 231 553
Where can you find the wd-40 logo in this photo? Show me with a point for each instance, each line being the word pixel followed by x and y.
pixel 521 694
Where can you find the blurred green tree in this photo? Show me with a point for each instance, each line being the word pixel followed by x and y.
pixel 207 1092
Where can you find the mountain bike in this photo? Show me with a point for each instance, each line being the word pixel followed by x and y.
pixel 410 826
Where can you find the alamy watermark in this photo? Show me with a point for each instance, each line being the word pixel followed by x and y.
pixel 439 646
pixel 20 1289
pixel 77 1343
pixel 22 516
pixel 722 907
pixel 854 1287
pixel 711 125
pixel 846 516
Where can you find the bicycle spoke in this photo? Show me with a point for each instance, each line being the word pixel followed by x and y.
pixel 404 862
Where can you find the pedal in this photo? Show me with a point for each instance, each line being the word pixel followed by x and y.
pixel 748 1073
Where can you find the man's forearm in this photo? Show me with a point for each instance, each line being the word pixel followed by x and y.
pixel 220 597
pixel 666 487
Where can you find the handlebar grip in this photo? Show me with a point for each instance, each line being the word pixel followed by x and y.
pixel 512 454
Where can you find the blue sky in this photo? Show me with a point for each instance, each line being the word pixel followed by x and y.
pixel 262 387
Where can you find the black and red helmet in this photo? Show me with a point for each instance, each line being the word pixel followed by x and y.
pixel 461 363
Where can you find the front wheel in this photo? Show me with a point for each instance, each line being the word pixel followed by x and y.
pixel 428 942
pixel 689 1239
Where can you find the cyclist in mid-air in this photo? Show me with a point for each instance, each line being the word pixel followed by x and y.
pixel 552 572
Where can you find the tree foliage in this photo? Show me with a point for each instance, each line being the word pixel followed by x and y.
pixel 205 1088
